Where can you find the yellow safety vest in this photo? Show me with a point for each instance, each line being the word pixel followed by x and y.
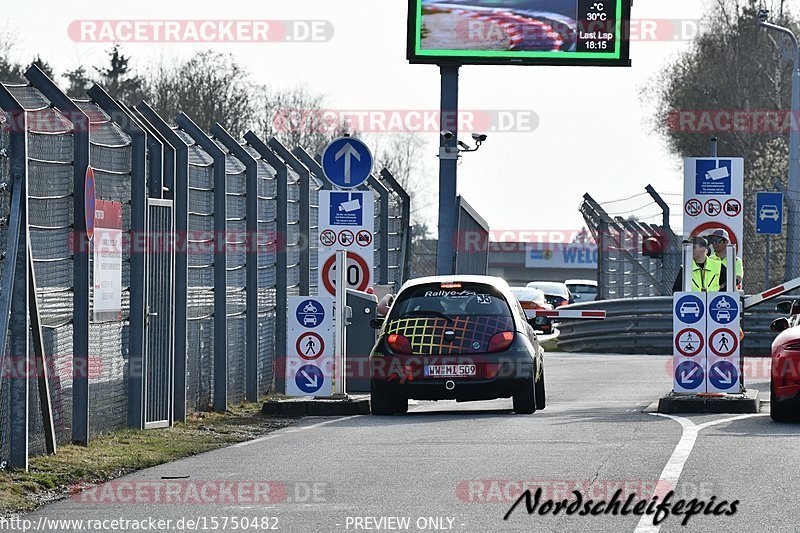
pixel 706 278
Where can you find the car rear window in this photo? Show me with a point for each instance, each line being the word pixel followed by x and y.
pixel 556 289
pixel 583 289
pixel 453 299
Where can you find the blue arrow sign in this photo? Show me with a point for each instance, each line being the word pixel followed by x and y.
pixel 309 379
pixel 347 162
pixel 689 309
pixel 769 213
pixel 723 309
pixel 689 375
pixel 310 313
pixel 723 375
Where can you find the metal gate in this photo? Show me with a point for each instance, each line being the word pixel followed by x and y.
pixel 472 241
pixel 159 323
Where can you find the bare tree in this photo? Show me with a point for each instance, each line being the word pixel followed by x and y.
pixel 210 87
pixel 402 154
pixel 297 117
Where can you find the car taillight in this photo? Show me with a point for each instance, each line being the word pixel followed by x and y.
pixel 500 341
pixel 398 343
pixel 562 303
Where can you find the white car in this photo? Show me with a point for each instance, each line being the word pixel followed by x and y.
pixel 723 315
pixel 690 308
pixel 769 211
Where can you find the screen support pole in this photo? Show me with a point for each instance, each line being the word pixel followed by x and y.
pixel 448 164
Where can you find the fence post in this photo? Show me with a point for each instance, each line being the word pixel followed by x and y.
pixel 181 218
pixel 80 274
pixel 310 163
pixel 305 211
pixel 220 399
pixel 15 284
pixel 251 268
pixel 383 236
pixel 405 241
pixel 280 256
pixel 138 256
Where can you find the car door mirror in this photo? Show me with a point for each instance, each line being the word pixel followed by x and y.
pixel 779 324
pixel 376 323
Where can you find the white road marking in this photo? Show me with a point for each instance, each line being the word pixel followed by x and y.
pixel 674 467
pixel 289 431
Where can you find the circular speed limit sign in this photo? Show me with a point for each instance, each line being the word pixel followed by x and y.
pixel 357 275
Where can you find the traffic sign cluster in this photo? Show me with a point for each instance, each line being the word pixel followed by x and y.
pixel 309 361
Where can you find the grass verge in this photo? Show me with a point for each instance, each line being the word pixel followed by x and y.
pixel 120 452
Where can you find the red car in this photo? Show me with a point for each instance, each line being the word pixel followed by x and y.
pixel 785 375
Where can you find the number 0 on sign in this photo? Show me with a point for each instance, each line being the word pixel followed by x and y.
pixel 358 275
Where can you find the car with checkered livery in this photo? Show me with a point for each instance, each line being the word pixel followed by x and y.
pixel 463 338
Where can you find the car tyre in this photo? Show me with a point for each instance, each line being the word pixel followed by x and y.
pixel 382 404
pixel 778 411
pixel 539 392
pixel 525 400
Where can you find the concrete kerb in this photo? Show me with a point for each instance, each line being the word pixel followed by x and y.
pixel 735 404
pixel 317 406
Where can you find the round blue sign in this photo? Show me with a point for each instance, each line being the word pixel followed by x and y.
pixel 347 162
pixel 310 313
pixel 689 375
pixel 689 309
pixel 723 309
pixel 723 375
pixel 309 379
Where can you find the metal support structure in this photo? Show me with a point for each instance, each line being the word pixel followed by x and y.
pixel 136 319
pixel 305 211
pixel 688 266
pixel 43 382
pixel 14 296
pixel 82 249
pixel 793 189
pixel 281 267
pixel 714 147
pixel 448 171
pixel 251 267
pixel 181 219
pixel 383 237
pixel 340 325
pixel 669 261
pixel 220 400
pixel 405 222
pixel 312 164
pixel 766 262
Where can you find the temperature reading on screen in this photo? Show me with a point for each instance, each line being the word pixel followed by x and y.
pixel 597 26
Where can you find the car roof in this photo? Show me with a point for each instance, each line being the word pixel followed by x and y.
pixel 581 282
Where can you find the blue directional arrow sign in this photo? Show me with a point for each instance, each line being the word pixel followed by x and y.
pixel 689 309
pixel 689 375
pixel 723 375
pixel 309 379
pixel 769 213
pixel 347 162
pixel 310 313
pixel 723 309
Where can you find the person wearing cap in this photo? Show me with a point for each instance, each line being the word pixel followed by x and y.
pixel 705 270
pixel 719 239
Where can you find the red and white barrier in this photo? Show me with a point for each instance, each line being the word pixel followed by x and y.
pixel 573 315
pixel 769 294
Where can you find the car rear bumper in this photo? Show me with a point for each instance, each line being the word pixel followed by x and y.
pixel 786 375
pixel 510 379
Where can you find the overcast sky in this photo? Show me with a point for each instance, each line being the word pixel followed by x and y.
pixel 592 136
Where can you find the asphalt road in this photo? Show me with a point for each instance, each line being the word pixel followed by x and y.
pixel 458 467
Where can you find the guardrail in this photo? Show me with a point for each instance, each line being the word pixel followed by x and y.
pixel 644 326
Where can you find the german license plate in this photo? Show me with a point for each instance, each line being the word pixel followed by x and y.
pixel 450 371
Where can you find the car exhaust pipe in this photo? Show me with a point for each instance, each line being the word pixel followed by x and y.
pixel 449 384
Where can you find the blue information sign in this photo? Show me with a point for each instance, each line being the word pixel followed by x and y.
pixel 769 213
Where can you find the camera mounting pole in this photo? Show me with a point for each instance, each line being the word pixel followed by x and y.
pixel 448 168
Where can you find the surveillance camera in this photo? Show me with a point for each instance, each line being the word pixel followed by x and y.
pixel 763 15
pixel 447 135
pixel 479 137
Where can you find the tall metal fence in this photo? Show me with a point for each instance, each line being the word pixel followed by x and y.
pixel 217 232
pixel 623 269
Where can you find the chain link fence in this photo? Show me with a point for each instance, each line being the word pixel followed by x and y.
pixel 55 183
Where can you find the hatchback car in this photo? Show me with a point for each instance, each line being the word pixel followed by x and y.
pixel 785 367
pixel 556 294
pixel 463 338
pixel 583 290
pixel 533 300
